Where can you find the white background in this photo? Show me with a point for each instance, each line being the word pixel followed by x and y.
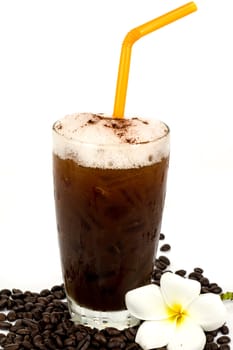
pixel 59 57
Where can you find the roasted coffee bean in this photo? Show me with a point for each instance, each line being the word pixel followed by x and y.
pixel 129 335
pixel 164 259
pixel 132 346
pixel 162 236
pixel 214 333
pixel 224 347
pixel 17 295
pixel 224 339
pixel 12 347
pixel 30 299
pixel 181 272
pixel 45 292
pixel 194 276
pixel 27 344
pixel 211 346
pixel 4 325
pixel 3 303
pixel 204 281
pixel 160 265
pixel 59 341
pixel 84 344
pixel 224 329
pixel 11 316
pixel 16 291
pixel 209 338
pixel 116 342
pixel 6 292
pixel 157 275
pixel 215 289
pixel 112 331
pixel 23 331
pixel 199 270
pixel 59 294
pixel 2 316
pixel 55 317
pixel 100 338
pixel 42 300
pixel 72 342
pixel 165 247
pixel 2 337
pixel 204 290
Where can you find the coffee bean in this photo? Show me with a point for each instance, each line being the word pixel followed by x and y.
pixel 45 292
pixel 132 346
pixel 12 347
pixel 100 338
pixel 224 329
pixel 27 344
pixel 165 247
pixel 194 276
pixel 215 289
pixel 162 236
pixel 4 325
pixel 112 331
pixel 72 342
pixel 84 345
pixel 30 299
pixel 56 288
pixel 204 281
pixel 116 342
pixel 129 335
pixel 2 316
pixel 204 290
pixel 214 333
pixel 164 259
pixel 224 339
pixel 23 331
pixel 16 291
pixel 157 275
pixel 6 292
pixel 160 265
pixel 59 341
pixel 11 316
pixel 2 338
pixel 3 303
pixel 59 294
pixel 199 270
pixel 211 346
pixel 19 295
pixel 224 347
pixel 181 272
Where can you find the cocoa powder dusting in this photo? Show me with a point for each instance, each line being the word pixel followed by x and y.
pixel 120 128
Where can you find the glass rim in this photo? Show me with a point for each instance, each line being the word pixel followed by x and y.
pixel 120 144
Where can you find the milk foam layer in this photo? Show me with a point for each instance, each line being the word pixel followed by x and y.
pixel 94 140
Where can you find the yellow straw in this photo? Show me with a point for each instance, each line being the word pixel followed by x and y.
pixel 132 36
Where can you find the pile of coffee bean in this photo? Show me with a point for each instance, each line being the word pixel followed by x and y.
pixel 42 321
pixel 30 320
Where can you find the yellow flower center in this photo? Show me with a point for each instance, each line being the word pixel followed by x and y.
pixel 177 314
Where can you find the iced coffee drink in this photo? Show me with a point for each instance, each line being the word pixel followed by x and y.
pixel 110 183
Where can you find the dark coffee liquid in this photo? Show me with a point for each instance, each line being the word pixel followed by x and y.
pixel 108 225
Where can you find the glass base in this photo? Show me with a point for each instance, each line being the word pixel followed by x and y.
pixel 100 319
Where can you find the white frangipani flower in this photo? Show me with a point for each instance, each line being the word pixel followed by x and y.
pixel 175 314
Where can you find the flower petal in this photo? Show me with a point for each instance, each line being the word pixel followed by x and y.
pixel 209 311
pixel 187 336
pixel 155 334
pixel 146 303
pixel 177 290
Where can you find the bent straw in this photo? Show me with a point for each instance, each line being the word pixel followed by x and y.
pixel 132 36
